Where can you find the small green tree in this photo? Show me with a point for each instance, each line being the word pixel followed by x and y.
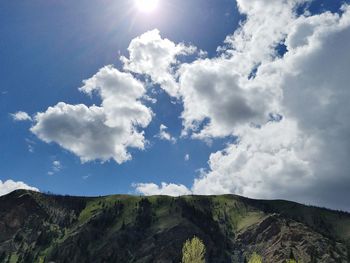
pixel 193 251
pixel 255 258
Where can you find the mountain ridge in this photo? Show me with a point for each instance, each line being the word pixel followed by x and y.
pixel 37 227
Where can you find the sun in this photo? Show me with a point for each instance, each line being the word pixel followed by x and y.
pixel 146 6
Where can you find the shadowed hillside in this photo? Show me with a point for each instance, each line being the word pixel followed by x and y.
pixel 36 227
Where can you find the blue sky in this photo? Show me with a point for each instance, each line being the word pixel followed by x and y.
pixel 48 48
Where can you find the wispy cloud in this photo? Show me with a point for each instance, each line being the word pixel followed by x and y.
pixel 165 135
pixel 30 145
pixel 163 189
pixel 21 116
pixel 55 168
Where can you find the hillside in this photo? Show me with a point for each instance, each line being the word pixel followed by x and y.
pixel 36 227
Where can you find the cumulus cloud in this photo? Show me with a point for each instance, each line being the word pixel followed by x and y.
pixel 316 94
pixel 217 99
pixel 99 132
pixel 219 94
pixel 10 185
pixel 21 116
pixel 163 189
pixel 164 134
pixel 266 162
pixel 155 56
pixel 302 154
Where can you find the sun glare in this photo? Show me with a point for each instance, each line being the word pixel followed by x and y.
pixel 146 6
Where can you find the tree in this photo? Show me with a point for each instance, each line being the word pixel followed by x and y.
pixel 144 214
pixel 2 256
pixel 193 251
pixel 255 258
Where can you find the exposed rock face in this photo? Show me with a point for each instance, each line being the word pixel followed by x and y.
pixel 16 212
pixel 43 228
pixel 276 238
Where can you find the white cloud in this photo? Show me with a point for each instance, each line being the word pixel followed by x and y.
pixel 164 134
pixel 99 132
pixel 217 99
pixel 266 163
pixel 85 177
pixel 187 157
pixel 30 145
pixel 56 167
pixel 315 84
pixel 304 156
pixel 155 56
pixel 163 189
pixel 10 185
pixel 266 25
pixel 217 93
pixel 21 116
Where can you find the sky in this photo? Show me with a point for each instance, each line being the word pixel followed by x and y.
pixel 176 97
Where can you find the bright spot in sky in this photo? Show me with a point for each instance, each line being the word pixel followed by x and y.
pixel 146 6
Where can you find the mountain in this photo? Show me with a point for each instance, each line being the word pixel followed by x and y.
pixel 36 227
